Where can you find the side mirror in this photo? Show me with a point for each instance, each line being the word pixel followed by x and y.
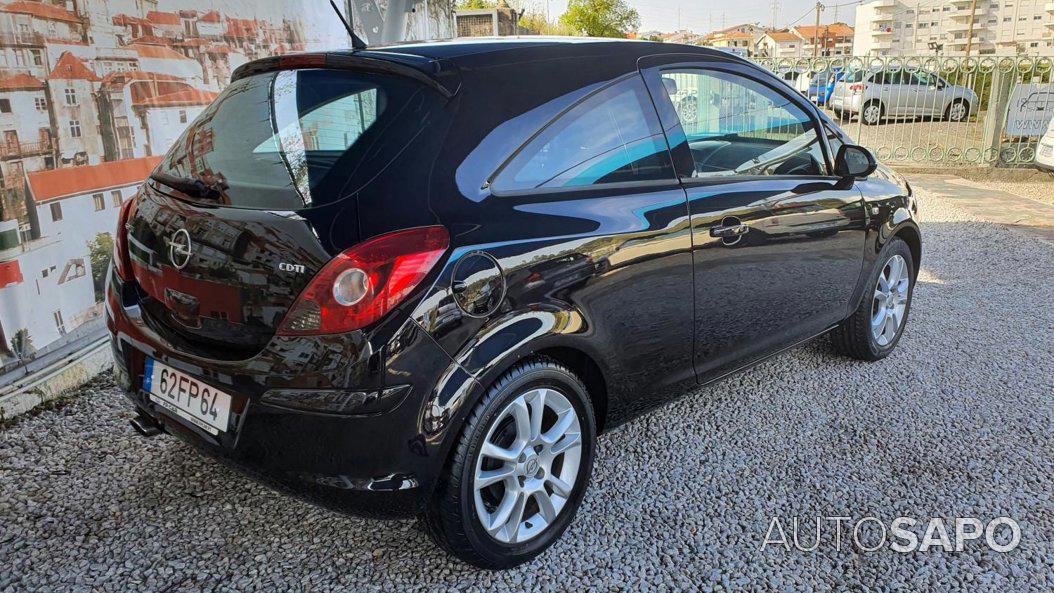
pixel 854 162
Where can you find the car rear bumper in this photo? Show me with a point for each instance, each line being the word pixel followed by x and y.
pixel 840 103
pixel 379 465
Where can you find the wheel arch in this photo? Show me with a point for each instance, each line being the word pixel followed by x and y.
pixel 910 235
pixel 559 333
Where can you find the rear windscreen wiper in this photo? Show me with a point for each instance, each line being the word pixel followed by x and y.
pixel 191 186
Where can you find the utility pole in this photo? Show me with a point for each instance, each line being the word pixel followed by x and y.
pixel 969 32
pixel 816 31
pixel 775 13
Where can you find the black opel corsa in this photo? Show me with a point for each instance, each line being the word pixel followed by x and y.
pixel 420 280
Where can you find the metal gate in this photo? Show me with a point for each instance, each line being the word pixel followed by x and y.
pixel 929 110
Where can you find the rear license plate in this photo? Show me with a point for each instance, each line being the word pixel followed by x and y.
pixel 202 405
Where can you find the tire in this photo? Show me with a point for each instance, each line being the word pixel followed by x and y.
pixel 854 336
pixel 954 114
pixel 453 519
pixel 870 117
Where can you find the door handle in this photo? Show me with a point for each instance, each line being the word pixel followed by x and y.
pixel 729 231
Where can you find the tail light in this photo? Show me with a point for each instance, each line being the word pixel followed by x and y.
pixel 121 259
pixel 364 283
pixel 857 88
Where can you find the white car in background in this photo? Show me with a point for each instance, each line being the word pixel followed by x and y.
pixel 1045 152
pixel 880 95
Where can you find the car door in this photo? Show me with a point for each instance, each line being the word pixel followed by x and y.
pixel 930 93
pixel 777 241
pixel 898 96
pixel 603 222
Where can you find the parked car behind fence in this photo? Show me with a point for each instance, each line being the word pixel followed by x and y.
pixel 881 95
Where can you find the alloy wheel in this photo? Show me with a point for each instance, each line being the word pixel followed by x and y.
pixel 528 465
pixel 957 112
pixel 890 300
pixel 872 113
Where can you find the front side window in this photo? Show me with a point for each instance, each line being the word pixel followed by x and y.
pixel 736 126
pixel 613 136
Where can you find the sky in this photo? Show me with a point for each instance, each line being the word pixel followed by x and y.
pixel 703 16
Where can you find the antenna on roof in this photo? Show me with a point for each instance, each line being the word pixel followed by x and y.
pixel 356 41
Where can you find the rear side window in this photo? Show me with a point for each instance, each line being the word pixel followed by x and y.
pixel 297 138
pixel 613 136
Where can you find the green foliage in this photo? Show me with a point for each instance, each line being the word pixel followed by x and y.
pixel 600 18
pixel 99 253
pixel 475 4
pixel 22 344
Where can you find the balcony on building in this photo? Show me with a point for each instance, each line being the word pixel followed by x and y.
pixel 14 149
pixel 21 38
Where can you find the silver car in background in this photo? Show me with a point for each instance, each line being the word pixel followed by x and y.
pixel 876 95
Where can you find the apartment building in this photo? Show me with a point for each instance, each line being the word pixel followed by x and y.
pixel 1000 27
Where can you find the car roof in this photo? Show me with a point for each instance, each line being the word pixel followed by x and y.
pixel 518 48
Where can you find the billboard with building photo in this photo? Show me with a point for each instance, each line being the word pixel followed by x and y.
pixel 92 94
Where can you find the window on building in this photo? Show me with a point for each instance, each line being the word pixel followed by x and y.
pixel 71 96
pixel 20 58
pixel 100 201
pixel 40 103
pixel 56 211
pixel 75 128
pixel 37 57
pixel 182 116
pixel 5 105
pixel 59 324
pixel 115 197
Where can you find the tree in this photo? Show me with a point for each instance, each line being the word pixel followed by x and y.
pixel 99 253
pixel 533 22
pixel 601 18
pixel 22 343
pixel 475 4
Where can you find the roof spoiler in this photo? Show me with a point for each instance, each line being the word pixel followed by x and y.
pixel 426 71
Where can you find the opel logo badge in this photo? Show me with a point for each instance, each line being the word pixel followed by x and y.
pixel 179 249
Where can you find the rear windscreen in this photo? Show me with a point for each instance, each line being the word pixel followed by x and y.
pixel 296 138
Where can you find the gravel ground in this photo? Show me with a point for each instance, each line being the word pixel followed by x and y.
pixel 956 423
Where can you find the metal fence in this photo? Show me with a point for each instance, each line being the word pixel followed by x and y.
pixel 930 110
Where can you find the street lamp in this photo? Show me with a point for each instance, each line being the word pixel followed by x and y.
pixel 935 47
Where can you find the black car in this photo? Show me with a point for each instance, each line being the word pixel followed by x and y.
pixel 420 280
